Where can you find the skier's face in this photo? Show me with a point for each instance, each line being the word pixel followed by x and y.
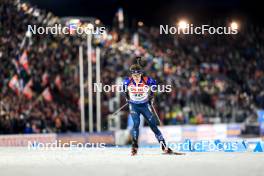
pixel 136 77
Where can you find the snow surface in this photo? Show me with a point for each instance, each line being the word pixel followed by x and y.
pixel 15 161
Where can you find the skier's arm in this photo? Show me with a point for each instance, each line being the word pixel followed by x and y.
pixel 125 88
pixel 153 87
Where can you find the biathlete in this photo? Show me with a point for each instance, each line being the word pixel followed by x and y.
pixel 139 94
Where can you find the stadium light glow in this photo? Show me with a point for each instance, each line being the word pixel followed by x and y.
pixel 24 6
pixel 140 23
pixel 97 21
pixel 234 25
pixel 183 24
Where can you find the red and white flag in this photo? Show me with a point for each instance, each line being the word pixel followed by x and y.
pixel 14 84
pixel 23 60
pixel 27 91
pixel 47 95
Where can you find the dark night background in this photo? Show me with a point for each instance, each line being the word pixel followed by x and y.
pixel 155 12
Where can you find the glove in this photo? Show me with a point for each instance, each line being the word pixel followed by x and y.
pixel 127 98
pixel 151 100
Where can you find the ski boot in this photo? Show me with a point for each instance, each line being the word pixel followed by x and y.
pixel 165 149
pixel 134 147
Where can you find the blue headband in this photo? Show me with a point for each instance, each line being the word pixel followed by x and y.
pixel 136 71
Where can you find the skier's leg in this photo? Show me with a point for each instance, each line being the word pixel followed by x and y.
pixel 135 130
pixel 149 116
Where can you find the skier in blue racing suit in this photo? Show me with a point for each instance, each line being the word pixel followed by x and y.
pixel 139 94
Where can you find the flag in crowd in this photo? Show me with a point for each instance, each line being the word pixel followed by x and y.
pixel 23 61
pixel 27 91
pixel 14 84
pixel 46 94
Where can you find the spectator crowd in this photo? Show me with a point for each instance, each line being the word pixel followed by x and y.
pixel 212 76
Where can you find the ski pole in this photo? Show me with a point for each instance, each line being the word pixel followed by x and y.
pixel 155 112
pixel 117 111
